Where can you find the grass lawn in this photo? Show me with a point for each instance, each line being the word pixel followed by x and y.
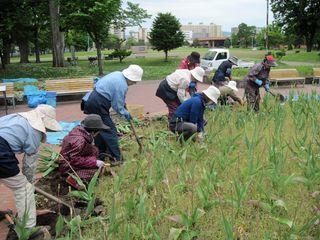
pixel 302 56
pixel 155 68
pixel 253 177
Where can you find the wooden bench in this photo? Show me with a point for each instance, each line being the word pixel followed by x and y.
pixel 285 77
pixel 316 75
pixel 9 92
pixel 71 86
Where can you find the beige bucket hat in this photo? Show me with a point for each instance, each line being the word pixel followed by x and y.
pixel 133 73
pixel 198 73
pixel 212 93
pixel 232 85
pixel 42 118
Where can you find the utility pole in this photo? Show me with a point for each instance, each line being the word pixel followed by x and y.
pixel 267 28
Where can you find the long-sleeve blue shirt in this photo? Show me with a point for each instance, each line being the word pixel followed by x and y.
pixel 114 87
pixel 17 131
pixel 192 111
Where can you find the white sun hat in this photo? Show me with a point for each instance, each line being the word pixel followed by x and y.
pixel 133 73
pixel 232 85
pixel 42 118
pixel 212 93
pixel 198 73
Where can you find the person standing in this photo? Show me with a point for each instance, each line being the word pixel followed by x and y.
pixel 23 133
pixel 188 118
pixel 257 77
pixel 110 91
pixel 172 90
pixel 224 71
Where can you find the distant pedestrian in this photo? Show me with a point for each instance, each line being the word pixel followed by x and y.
pixel 257 77
pixel 110 91
pixel 188 119
pixel 224 72
pixel 172 90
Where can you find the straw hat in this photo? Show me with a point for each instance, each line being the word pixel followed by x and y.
pixel 42 118
pixel 212 93
pixel 234 60
pixel 232 85
pixel 133 73
pixel 198 73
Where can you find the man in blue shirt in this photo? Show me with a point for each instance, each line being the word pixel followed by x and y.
pixel 110 91
pixel 23 133
pixel 188 118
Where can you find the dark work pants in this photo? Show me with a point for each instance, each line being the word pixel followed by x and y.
pixel 106 141
pixel 253 98
pixel 186 129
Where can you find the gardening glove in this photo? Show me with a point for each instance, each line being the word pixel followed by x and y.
pixel 267 87
pixel 127 115
pixel 29 167
pixel 258 81
pixel 99 163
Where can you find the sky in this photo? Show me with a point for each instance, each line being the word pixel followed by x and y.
pixel 227 13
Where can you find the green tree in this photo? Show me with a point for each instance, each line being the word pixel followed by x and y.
pixel 78 39
pixel 96 16
pixel 276 36
pixel 227 43
pixel 166 34
pixel 298 17
pixel 245 35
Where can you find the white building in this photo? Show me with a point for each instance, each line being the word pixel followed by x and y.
pixel 188 36
pixel 203 31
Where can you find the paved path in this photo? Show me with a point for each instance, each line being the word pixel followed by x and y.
pixel 143 93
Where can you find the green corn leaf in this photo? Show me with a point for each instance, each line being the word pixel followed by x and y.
pixel 80 195
pixel 284 221
pixel 93 183
pixel 175 233
pixel 59 225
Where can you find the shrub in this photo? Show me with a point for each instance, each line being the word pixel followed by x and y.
pixel 120 53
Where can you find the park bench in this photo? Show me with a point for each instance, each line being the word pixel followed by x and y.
pixel 71 86
pixel 285 77
pixel 316 75
pixel 9 92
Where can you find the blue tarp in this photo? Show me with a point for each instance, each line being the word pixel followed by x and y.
pixel 56 138
pixel 20 80
pixel 30 90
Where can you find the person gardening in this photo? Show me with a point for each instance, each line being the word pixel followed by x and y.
pixel 191 62
pixel 227 91
pixel 172 90
pixel 110 91
pixel 79 153
pixel 224 71
pixel 188 118
pixel 257 77
pixel 23 133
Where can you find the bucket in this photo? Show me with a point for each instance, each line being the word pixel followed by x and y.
pixel 51 98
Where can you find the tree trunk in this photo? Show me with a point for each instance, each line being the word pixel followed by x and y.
pixel 309 40
pixel 98 46
pixel 24 50
pixel 36 45
pixel 3 65
pixel 166 55
pixel 57 36
pixel 6 49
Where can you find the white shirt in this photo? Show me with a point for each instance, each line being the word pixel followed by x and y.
pixel 179 81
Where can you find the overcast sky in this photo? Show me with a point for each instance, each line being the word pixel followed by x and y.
pixel 228 13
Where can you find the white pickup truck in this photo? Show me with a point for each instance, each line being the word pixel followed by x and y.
pixel 215 56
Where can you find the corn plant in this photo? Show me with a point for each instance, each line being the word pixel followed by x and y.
pixel 21 230
pixel 48 161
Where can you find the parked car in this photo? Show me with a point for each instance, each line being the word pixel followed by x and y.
pixel 215 56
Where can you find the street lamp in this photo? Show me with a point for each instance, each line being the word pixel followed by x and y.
pixel 267 28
